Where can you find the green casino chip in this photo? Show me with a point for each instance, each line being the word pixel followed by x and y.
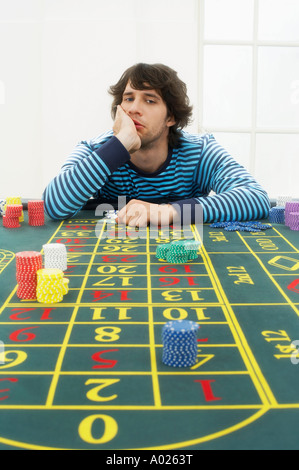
pixel 178 251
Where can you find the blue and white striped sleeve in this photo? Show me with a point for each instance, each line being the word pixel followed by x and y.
pixel 237 195
pixel 82 175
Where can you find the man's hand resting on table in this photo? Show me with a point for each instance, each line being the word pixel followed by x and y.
pixel 140 214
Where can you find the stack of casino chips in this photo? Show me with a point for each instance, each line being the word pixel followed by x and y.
pixel 294 220
pixel 27 264
pixel 179 251
pixel 277 215
pixel 236 226
pixel 111 215
pixel 15 200
pixel 291 207
pixel 55 256
pixel 51 286
pixel 2 207
pixel 13 214
pixel 282 200
pixel 36 213
pixel 179 343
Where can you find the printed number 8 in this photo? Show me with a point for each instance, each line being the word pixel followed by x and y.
pixel 107 334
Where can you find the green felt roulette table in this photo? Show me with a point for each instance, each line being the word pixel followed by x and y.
pixel 87 373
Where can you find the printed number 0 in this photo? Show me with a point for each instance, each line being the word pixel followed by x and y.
pixel 110 429
pixel 107 333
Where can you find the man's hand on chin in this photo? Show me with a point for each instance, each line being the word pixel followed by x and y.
pixel 140 214
pixel 125 131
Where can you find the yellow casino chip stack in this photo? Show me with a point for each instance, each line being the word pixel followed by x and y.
pixel 51 286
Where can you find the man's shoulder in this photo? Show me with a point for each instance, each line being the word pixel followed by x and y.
pixel 195 141
pixel 98 141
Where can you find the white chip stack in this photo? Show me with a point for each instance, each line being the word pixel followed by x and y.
pixel 2 206
pixel 111 215
pixel 55 256
pixel 282 200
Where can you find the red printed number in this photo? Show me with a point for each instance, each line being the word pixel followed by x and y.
pixel 293 286
pixel 23 335
pixel 5 390
pixel 104 363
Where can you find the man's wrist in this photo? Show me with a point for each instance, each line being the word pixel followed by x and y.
pixel 126 140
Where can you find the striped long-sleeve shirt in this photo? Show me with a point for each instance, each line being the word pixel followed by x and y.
pixel 101 169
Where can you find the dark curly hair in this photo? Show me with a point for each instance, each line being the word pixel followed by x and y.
pixel 166 82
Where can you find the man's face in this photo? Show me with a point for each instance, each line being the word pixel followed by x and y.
pixel 149 113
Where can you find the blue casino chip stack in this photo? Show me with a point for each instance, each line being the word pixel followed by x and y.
pixel 252 226
pixel 277 215
pixel 180 343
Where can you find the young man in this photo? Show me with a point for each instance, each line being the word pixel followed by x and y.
pixel 162 171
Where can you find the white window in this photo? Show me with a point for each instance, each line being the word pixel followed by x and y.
pixel 249 80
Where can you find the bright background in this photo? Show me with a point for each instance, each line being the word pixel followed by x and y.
pixel 239 59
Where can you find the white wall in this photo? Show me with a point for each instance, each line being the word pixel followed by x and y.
pixel 59 57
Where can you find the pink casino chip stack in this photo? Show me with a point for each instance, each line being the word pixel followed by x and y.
pixel 294 220
pixel 291 207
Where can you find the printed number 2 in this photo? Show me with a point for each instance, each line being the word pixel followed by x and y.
pixel 93 393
